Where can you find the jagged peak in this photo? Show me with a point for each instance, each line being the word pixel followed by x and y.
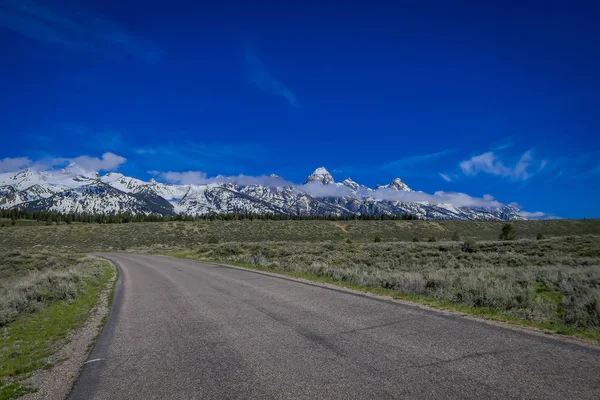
pixel 350 183
pixel 320 175
pixel 396 184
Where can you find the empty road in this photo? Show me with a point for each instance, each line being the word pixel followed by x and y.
pixel 186 330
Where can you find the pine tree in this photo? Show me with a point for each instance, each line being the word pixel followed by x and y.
pixel 508 232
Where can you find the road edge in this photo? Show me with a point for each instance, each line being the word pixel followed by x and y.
pixel 104 336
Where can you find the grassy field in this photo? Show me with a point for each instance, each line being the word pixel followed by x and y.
pixel 94 237
pixel 43 296
pixel 553 282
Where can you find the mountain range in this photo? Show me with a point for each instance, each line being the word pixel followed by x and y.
pixel 75 190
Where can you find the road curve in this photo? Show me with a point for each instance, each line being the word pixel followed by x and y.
pixel 186 330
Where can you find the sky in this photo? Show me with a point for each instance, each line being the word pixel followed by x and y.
pixel 482 98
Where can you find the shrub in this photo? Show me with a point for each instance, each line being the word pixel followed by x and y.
pixel 469 246
pixel 348 241
pixel 456 236
pixel 508 232
pixel 432 239
pixel 212 240
pixel 540 236
pixel 416 239
pixel 377 239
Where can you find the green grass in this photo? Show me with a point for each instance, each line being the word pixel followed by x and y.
pixel 31 337
pixel 13 390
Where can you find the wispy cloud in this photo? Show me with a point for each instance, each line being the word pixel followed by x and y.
pixel 259 76
pixel 9 164
pixel 183 178
pixel 107 162
pixel 83 30
pixel 445 177
pixel 201 178
pixel 490 163
pixel 415 160
pixel 401 166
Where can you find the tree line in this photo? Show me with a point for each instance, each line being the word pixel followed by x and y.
pixel 50 217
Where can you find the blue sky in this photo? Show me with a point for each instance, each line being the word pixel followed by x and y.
pixel 479 99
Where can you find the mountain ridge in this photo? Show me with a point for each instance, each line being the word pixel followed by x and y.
pixel 74 190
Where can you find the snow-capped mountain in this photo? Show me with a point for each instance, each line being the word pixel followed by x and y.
pixel 321 175
pixel 396 184
pixel 75 190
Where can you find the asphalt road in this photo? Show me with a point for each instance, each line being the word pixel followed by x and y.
pixel 185 330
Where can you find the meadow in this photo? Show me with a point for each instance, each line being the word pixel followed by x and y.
pixel 43 297
pixel 104 237
pixel 548 276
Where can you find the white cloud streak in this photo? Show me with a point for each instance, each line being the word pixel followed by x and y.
pixel 415 160
pixel 87 32
pixel 489 163
pixel 445 177
pixel 201 178
pixel 537 215
pixel 183 178
pixel 259 76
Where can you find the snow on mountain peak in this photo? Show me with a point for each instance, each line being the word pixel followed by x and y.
pixel 76 169
pixel 398 184
pixel 74 189
pixel 395 184
pixel 320 175
pixel 351 184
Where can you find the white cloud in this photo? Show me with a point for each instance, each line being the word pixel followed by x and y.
pixel 108 162
pixel 454 198
pixel 445 177
pixel 316 189
pixel 537 215
pixel 184 178
pixel 201 178
pixel 489 163
pixel 14 164
pixel 264 180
